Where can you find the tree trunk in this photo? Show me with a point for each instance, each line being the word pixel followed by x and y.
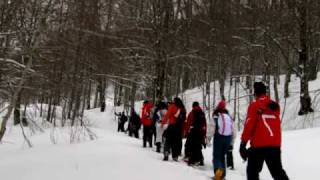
pixel 102 93
pixel 16 112
pixel 13 100
pixel 275 88
pixel 287 82
pixel 133 95
pixel 96 97
pixel 89 95
pixel 305 100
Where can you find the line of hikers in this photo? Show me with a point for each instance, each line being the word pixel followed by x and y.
pixel 168 123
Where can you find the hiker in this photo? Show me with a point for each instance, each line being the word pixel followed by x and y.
pixel 147 123
pixel 263 129
pixel 223 134
pixel 174 119
pixel 158 114
pixel 121 122
pixel 195 130
pixel 134 124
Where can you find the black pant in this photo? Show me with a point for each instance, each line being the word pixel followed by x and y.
pixel 272 157
pixel 121 126
pixel 173 141
pixel 230 158
pixel 147 135
pixel 133 130
pixel 187 147
pixel 194 146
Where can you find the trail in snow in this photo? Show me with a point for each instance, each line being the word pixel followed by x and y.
pixel 116 156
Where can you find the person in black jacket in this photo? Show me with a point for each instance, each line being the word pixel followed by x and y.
pixel 134 124
pixel 122 120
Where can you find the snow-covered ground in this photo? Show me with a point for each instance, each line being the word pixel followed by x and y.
pixel 116 156
pixel 67 153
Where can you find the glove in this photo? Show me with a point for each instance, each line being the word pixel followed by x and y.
pixel 204 145
pixel 243 151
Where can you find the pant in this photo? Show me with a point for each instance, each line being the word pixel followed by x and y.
pixel 172 141
pixel 230 158
pixel 220 149
pixel 159 136
pixel 147 135
pixel 133 130
pixel 194 146
pixel 187 147
pixel 121 127
pixel 272 157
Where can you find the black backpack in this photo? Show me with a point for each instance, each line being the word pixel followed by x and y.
pixel 181 118
pixel 199 119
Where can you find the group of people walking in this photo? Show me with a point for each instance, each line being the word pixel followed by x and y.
pixel 168 124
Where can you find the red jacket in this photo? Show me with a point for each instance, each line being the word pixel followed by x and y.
pixel 171 115
pixel 146 114
pixel 190 120
pixel 262 127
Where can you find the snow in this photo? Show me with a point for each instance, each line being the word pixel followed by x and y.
pixel 116 156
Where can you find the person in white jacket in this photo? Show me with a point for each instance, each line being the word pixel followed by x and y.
pixel 158 113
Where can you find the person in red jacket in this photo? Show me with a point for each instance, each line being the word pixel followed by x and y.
pixel 174 119
pixel 263 129
pixel 147 123
pixel 195 131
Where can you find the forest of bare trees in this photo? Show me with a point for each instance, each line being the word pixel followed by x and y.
pixel 66 53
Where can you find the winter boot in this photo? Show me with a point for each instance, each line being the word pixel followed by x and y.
pixel 175 159
pixel 166 156
pixel 201 163
pixel 219 174
pixel 158 147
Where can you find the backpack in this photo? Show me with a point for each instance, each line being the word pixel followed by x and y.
pixel 199 120
pixel 181 118
pixel 224 124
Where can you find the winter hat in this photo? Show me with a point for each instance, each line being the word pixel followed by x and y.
pixel 259 88
pixel 221 105
pixel 195 104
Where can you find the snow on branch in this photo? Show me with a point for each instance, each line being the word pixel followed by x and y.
pixel 248 42
pixel 7 33
pixel 5 60
pixel 122 78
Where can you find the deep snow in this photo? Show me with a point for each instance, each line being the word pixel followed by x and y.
pixel 116 156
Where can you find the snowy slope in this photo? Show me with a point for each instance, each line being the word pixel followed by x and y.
pixel 289 106
pixel 115 156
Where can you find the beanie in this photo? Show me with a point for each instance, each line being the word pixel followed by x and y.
pixel 259 88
